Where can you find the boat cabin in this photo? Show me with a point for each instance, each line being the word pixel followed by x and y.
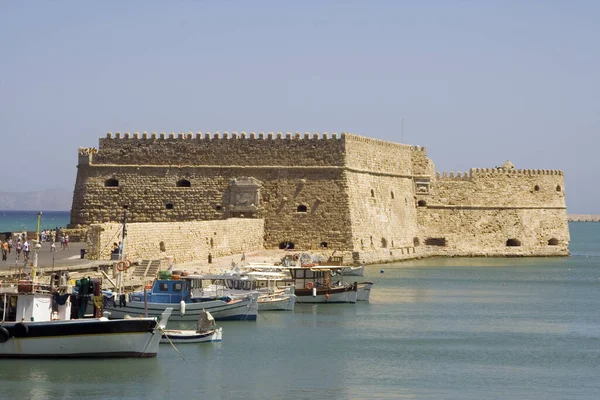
pixel 18 306
pixel 165 291
pixel 315 277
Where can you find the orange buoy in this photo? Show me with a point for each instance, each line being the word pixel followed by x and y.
pixel 310 285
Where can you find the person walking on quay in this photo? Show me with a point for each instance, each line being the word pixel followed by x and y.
pixel 26 250
pixel 10 245
pixel 67 242
pixel 19 248
pixel 4 250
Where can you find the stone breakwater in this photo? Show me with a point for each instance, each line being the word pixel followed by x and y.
pixel 584 217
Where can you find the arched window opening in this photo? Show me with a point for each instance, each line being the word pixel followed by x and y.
pixel 219 208
pixel 301 208
pixel 536 188
pixel 416 241
pixel 111 183
pixel 558 188
pixel 383 243
pixel 169 206
pixel 392 194
pixel 323 245
pixel 183 183
pixel 372 193
pixel 422 203
pixel 435 242
pixel 553 242
pixel 287 245
pixel 513 243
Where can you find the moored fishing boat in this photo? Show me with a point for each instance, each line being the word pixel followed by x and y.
pixel 177 294
pixel 38 325
pixel 319 285
pixel 235 284
pixel 206 331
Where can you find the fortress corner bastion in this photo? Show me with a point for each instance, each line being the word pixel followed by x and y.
pixel 367 199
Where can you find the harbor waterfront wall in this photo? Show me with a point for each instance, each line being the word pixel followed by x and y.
pixel 185 241
pixel 371 200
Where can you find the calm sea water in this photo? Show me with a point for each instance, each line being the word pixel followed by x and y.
pixel 435 329
pixel 18 221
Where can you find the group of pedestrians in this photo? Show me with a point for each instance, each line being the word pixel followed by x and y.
pixel 21 245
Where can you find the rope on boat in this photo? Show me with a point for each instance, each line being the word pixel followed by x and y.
pixel 172 344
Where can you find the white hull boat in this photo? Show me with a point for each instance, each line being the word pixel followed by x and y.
pixel 329 295
pixel 277 302
pixel 29 328
pixel 191 336
pixel 353 271
pixel 83 338
pixel 364 291
pixel 235 309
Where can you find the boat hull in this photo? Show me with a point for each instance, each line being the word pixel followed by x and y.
pixel 277 303
pixel 82 339
pixel 189 336
pixel 238 309
pixel 344 294
pixel 353 271
pixel 364 291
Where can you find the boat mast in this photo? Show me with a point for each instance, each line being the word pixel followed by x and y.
pixel 122 253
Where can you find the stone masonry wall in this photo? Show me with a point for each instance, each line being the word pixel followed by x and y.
pixel 185 241
pixel 147 190
pixel 478 212
pixel 371 200
pixel 225 150
pixel 382 212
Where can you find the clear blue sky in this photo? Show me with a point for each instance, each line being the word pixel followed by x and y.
pixel 476 82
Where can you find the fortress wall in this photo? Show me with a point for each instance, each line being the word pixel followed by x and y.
pixel 477 212
pixel 484 232
pixel 186 241
pixel 382 211
pixel 147 190
pixel 326 218
pixel 248 149
pixel 493 188
pixel 366 154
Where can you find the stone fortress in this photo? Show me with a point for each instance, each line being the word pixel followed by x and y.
pixel 198 196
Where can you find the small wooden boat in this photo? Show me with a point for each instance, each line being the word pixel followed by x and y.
pixel 191 336
pixel 206 331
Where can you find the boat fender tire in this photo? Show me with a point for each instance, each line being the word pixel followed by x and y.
pixel 296 257
pixel 20 330
pixel 4 335
pixel 310 285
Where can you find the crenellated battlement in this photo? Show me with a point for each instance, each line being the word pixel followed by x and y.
pixel 504 171
pixel 451 176
pixel 208 136
pixel 491 172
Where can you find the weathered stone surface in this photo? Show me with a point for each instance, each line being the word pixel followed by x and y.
pixel 185 241
pixel 368 199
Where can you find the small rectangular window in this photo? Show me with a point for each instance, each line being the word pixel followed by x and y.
pixel 177 287
pixel 163 287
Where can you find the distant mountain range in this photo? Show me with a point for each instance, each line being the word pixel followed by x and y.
pixel 47 200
